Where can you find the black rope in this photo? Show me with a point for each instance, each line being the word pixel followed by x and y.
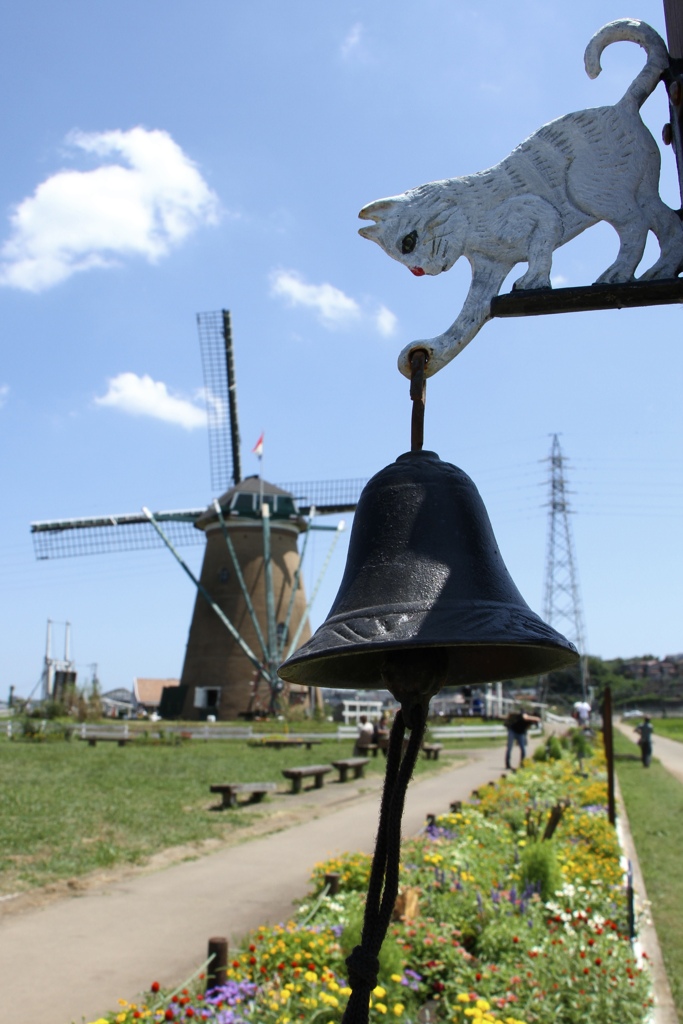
pixel 363 962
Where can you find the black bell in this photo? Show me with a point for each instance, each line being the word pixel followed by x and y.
pixel 425 585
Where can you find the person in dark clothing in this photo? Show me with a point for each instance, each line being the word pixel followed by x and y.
pixel 645 732
pixel 518 724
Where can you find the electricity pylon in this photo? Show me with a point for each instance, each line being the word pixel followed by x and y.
pixel 562 603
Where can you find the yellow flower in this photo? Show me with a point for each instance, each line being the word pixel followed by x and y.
pixel 379 992
pixel 398 1009
pixel 380 1007
pixel 463 997
pixel 481 1004
pixel 396 977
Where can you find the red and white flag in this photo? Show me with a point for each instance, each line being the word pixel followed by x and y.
pixel 258 447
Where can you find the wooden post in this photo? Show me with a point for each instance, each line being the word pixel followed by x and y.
pixel 216 973
pixel 332 881
pixel 608 742
pixel 673 17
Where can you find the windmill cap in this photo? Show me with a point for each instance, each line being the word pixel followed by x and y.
pixel 251 485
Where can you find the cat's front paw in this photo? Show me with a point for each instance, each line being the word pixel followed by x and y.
pixel 439 351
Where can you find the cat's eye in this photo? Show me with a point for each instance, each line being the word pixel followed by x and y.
pixel 408 242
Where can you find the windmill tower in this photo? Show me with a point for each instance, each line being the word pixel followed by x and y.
pixel 562 602
pixel 250 611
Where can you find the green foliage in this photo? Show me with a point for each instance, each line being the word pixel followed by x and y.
pixel 580 744
pixel 539 868
pixel 551 750
pixel 554 746
pixel 390 955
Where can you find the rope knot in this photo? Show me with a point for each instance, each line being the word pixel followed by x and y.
pixel 363 968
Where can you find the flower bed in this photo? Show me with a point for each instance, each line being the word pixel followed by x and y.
pixel 497 924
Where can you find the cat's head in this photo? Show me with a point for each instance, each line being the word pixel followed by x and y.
pixel 415 228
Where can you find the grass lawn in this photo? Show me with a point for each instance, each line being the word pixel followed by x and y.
pixel 67 809
pixel 654 804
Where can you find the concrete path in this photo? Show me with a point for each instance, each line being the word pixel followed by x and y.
pixel 71 960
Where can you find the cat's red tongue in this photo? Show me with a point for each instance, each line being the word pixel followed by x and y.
pixel 418 271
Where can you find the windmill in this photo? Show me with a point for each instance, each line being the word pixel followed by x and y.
pixel 250 610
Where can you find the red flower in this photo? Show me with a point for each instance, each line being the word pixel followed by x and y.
pixel 169 1015
pixel 281 967
pixel 252 949
pixel 189 1012
pixel 439 986
pixel 252 960
pixel 311 967
pixel 154 987
pixel 235 964
pixel 477 977
pixel 515 939
pixel 586 970
pixel 598 960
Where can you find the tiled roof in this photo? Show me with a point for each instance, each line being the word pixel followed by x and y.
pixel 148 691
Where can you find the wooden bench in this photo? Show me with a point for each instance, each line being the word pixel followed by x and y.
pixel 229 791
pixel 93 740
pixel 432 750
pixel 317 771
pixel 355 764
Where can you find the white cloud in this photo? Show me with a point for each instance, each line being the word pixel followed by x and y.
pixel 332 306
pixel 385 321
pixel 352 41
pixel 143 203
pixel 142 396
pixel 4 392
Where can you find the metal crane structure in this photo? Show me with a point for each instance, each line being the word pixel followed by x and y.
pixel 250 611
pixel 562 602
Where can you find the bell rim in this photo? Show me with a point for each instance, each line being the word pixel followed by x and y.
pixel 302 667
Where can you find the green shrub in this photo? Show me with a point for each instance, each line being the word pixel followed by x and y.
pixel 555 752
pixel 539 867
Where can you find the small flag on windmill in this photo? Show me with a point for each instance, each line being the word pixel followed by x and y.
pixel 258 447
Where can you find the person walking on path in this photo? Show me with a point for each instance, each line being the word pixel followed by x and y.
pixel 645 732
pixel 518 724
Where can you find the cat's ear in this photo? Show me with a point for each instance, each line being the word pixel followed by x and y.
pixel 378 211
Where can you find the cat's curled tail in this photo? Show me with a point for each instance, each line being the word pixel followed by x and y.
pixel 633 31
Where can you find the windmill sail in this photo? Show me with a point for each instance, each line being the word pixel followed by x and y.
pixel 98 535
pixel 220 394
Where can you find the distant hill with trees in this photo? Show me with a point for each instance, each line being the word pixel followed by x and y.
pixel 649 683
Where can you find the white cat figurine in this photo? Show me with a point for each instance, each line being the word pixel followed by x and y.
pixel 593 165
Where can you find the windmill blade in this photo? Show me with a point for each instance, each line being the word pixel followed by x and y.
pixel 220 392
pixel 63 538
pixel 327 496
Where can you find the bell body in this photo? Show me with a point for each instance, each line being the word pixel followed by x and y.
pixel 424 572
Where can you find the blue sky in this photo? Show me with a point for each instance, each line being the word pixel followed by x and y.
pixel 167 158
